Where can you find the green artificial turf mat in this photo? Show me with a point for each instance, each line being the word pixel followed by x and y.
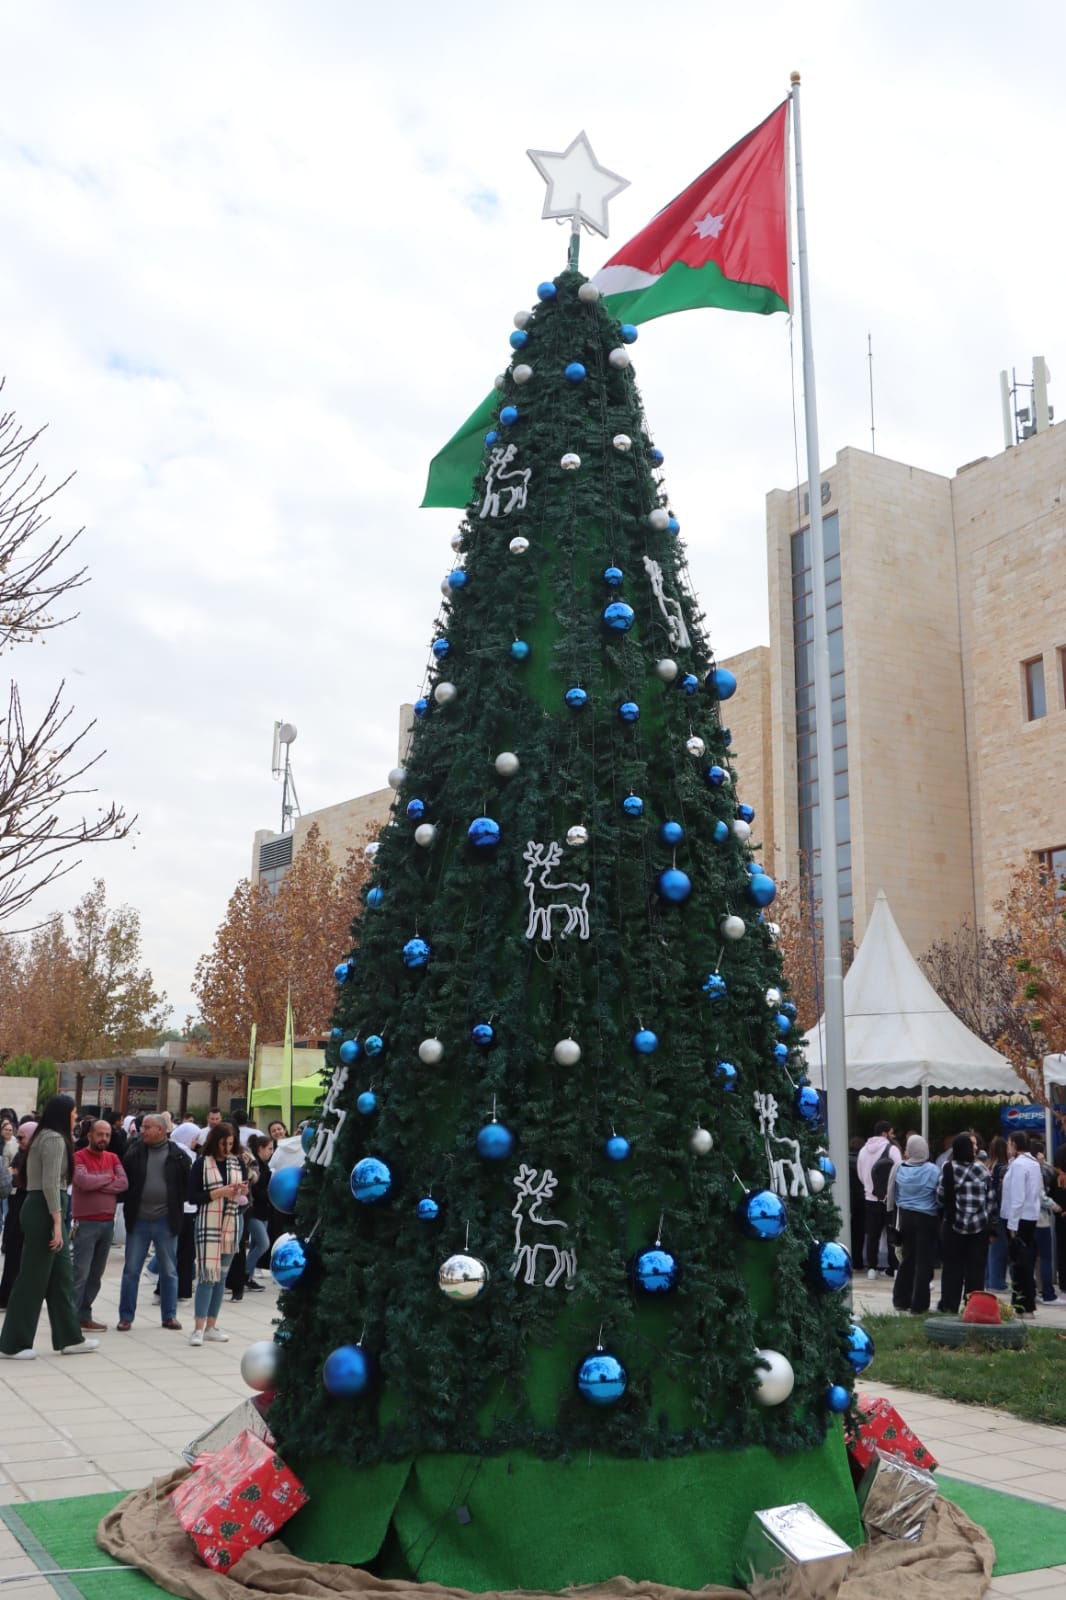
pixel 62 1534
pixel 1027 1535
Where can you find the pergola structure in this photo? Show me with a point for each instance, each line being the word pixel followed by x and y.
pixel 76 1077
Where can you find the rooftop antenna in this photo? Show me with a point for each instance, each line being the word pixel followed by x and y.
pixel 870 359
pixel 1021 422
pixel 281 767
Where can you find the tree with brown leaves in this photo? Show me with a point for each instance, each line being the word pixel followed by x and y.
pixel 801 946
pixel 1034 914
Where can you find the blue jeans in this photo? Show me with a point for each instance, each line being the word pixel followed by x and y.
pixel 996 1266
pixel 259 1243
pixel 208 1300
pixel 138 1239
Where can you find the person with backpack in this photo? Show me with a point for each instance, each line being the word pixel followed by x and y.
pixel 912 1200
pixel 967 1200
pixel 874 1166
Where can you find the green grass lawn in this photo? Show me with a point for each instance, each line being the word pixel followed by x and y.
pixel 1026 1382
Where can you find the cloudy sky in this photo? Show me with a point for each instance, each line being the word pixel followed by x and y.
pixel 257 262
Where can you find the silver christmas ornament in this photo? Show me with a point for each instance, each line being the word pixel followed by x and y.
pixel 500 381
pixel 695 746
pixel 259 1365
pixel 371 850
pixel 659 519
pixel 815 1180
pixel 397 777
pixel 522 373
pixel 519 545
pixel 577 835
pixel 456 540
pixel 622 442
pixel 774 1387
pixel 588 293
pixel 425 834
pixel 619 357
pixel 666 669
pixel 773 997
pixel 701 1142
pixel 773 929
pixel 462 1277
pixel 430 1051
pixel 507 763
pixel 520 318
pixel 741 830
pixel 732 927
pixel 567 1053
pixel 445 693
pixel 570 462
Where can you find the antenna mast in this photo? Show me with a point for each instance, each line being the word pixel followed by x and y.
pixel 281 767
pixel 870 359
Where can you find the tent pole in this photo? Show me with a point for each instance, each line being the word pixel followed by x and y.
pixel 925 1109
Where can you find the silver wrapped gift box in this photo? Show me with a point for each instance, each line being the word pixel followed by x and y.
pixel 789 1553
pixel 895 1497
pixel 249 1414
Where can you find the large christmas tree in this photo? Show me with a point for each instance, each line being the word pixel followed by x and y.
pixel 567 1306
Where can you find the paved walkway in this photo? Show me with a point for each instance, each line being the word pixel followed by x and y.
pixel 74 1425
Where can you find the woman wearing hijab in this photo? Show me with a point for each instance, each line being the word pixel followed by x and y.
pixel 46 1276
pixel 12 1240
pixel 185 1136
pixel 912 1194
pixel 966 1200
pixel 217 1182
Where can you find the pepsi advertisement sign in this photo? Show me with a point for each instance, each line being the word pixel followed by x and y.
pixel 1029 1118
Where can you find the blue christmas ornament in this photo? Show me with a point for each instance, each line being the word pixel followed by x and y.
pixel 808 1105
pixel 308 1137
pixel 288 1262
pixel 338 1033
pixel 837 1397
pixel 726 1076
pixel 519 650
pixel 781 1053
pixel 690 683
pixel 613 576
pixel 373 1044
pixel 633 805
pixel 518 339
pixel 483 833
pixel 672 833
pixel 629 711
pixel 457 578
pixel 783 1024
pixel 830 1266
pixel 761 889
pixel 628 332
pixel 721 683
pixel 483 1034
pixel 350 1051
pixel 645 1042
pixel 828 1167
pixel 721 832
pixel 371 1181
pixel 789 1009
pixel 673 526
pixel 576 698
pixel 421 706
pixel 441 648
pixel 715 776
pixel 617 1148
pixel 655 1271
pixel 343 971
pixel 763 1215
pixel 601 1379
pixel 416 810
pixel 618 617
pixel 727 737
pixel 860 1348
pixel 746 813
pixel 415 954
pixel 674 886
pixel 714 987
pixel 495 1142
pixel 509 416
pixel 491 438
pixel 428 1209
pixel 656 457
pixel 367 1103
pixel 282 1188
pixel 346 1372
pixel 374 897
pixel 575 372
pixel 546 291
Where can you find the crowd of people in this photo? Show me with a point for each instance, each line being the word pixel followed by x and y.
pixel 196 1212
pixel 979 1214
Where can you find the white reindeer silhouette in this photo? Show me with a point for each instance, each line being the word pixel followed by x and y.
pixel 514 484
pixel 529 1190
pixel 571 898
pixel 798 1184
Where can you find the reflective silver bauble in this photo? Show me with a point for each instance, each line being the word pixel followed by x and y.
pixel 445 693
pixel 695 746
pixel 456 540
pixel 520 318
pixel 519 545
pixel 371 850
pixel 430 1051
pixel 659 519
pixel 570 462
pixel 462 1277
pixel 445 587
pixel 666 669
pixel 815 1180
pixel 774 997
pixel 701 1142
pixel 741 829
pixel 622 442
pixel 577 835
pixel 588 293
pixel 506 763
pixel 500 381
pixel 567 1053
pixel 259 1365
pixel 732 927
pixel 397 777
pixel 522 373
pixel 773 929
pixel 425 834
pixel 774 1387
pixel 619 357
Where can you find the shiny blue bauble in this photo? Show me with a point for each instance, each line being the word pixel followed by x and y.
pixel 457 578
pixel 367 1103
pixel 371 1181
pixel 827 1166
pixel 575 372
pixel 373 1044
pixel 338 1033
pixel 746 813
pixel 673 526
pixel 283 1187
pixel 860 1348
pixel 690 683
pixel 645 1042
pixel 519 650
pixel 483 1034
pixel 415 954
pixel 495 1142
pixel 633 805
pixel 727 737
pixel 726 1076
pixel 416 810
pixel 518 339
pixel 629 711
pixel 343 971
pixel 715 776
pixel 374 897
pixel 601 1379
pixel 781 1053
pixel 672 833
pixel 674 886
pixel 346 1372
pixel 613 576
pixel 576 698
pixel 808 1105
pixel 714 987
pixel 783 1024
pixel 618 617
pixel 491 438
pixel 837 1397
pixel 617 1148
pixel 546 291
pixel 308 1137
pixel 830 1266
pixel 789 1009
pixel 763 1215
pixel 751 868
pixel 655 456
pixel 428 1209
pixel 721 832
pixel 288 1262
pixel 421 706
pixel 761 889
pixel 628 332
pixel 483 833
pixel 655 1271
pixel 509 416
pixel 721 683
pixel 350 1051
pixel 441 648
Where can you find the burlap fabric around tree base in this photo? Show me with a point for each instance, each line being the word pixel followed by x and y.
pixel 952 1561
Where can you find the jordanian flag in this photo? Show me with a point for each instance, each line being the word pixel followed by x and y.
pixel 723 242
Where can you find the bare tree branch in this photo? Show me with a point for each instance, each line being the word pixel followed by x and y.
pixel 30 581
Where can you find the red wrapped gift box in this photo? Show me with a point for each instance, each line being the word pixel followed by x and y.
pixel 236 1498
pixel 882 1428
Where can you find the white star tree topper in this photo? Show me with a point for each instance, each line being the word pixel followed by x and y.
pixel 578 187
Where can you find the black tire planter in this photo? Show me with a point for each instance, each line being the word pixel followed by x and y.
pixel 955 1333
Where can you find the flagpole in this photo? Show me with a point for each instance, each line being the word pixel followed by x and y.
pixel 833 1055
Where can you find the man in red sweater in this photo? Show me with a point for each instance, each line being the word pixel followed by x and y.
pixel 99 1179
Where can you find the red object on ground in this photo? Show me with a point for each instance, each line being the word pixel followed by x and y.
pixel 981 1307
pixel 235 1499
pixel 882 1428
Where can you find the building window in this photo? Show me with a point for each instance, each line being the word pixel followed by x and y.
pixel 275 859
pixel 1035 693
pixel 1054 864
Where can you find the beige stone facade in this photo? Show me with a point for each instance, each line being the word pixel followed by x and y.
pixel 948 588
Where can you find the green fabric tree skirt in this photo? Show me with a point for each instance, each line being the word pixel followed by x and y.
pixel 514 1521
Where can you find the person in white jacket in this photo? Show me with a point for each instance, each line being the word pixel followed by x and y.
pixel 1022 1192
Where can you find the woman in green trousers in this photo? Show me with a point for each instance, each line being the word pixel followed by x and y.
pixel 46 1277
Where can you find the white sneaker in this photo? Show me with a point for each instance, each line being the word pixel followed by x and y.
pixel 197 1336
pixel 216 1336
pixel 872 1274
pixel 18 1355
pixel 86 1347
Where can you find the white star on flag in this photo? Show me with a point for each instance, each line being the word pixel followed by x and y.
pixel 709 226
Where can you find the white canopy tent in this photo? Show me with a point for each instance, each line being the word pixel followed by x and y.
pixel 899 1034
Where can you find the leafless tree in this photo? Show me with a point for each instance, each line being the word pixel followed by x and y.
pixel 973 973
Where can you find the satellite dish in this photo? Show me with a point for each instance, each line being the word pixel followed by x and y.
pixel 286 733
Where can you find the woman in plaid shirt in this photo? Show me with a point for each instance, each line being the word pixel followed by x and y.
pixel 966 1200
